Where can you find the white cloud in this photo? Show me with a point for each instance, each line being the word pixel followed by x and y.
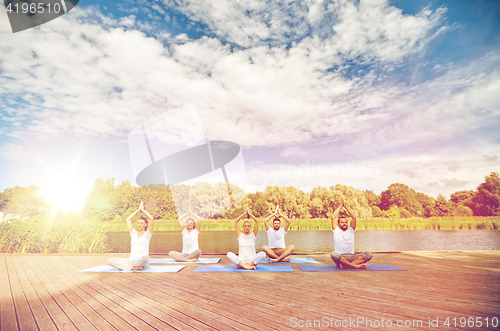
pixel 13 152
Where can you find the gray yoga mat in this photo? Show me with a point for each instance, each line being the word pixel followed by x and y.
pixel 151 268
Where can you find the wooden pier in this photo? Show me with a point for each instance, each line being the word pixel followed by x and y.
pixel 47 292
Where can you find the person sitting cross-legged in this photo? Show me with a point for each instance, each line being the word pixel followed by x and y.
pixel 343 242
pixel 276 249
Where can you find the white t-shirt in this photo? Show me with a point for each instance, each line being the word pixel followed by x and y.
pixel 247 246
pixel 276 239
pixel 189 241
pixel 343 241
pixel 139 247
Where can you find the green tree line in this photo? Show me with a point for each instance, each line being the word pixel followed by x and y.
pixel 401 201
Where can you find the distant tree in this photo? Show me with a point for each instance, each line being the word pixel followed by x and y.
pixel 392 212
pixel 486 201
pixel 260 208
pixel 462 197
pixel 443 207
pixel 372 198
pixel 24 201
pixel 401 196
pixel 403 213
pixel 376 212
pixel 461 210
pixel 101 202
pixel 428 205
pixel 355 199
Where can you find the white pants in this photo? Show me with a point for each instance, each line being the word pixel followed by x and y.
pixel 127 264
pixel 236 259
pixel 181 257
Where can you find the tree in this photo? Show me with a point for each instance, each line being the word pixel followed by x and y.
pixel 372 198
pixel 101 202
pixel 486 201
pixel 393 212
pixel 23 201
pixel 443 208
pixel 376 212
pixel 428 204
pixel 401 196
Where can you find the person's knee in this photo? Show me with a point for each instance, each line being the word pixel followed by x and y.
pixel 367 256
pixel 291 247
pixel 335 257
pixel 265 248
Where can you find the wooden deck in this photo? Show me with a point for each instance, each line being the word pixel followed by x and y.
pixel 47 292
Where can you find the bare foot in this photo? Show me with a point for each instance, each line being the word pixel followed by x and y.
pixel 340 266
pixel 192 260
pixel 273 260
pixel 286 259
pixel 246 266
pixel 138 268
pixel 361 266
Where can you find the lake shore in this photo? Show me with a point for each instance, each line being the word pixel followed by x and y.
pixel 371 224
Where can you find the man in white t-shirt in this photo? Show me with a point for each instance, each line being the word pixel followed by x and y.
pixel 275 248
pixel 343 242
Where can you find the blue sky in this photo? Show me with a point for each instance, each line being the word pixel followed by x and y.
pixel 361 93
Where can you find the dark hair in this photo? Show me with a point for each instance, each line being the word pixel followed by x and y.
pixel 145 220
pixel 276 219
pixel 192 220
pixel 338 221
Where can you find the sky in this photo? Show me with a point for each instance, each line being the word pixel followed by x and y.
pixel 316 93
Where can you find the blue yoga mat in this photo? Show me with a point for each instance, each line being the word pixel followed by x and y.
pixel 371 267
pixel 232 268
pixel 294 260
pixel 151 268
pixel 200 260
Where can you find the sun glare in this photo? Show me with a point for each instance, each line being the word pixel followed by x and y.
pixel 65 193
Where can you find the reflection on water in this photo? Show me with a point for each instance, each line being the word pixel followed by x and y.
pixel 221 242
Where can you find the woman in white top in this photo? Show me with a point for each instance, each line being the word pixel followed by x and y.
pixel 246 259
pixel 190 249
pixel 139 243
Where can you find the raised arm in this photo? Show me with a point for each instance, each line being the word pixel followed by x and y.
pixel 237 224
pixel 180 221
pixel 336 214
pixel 198 219
pixel 129 223
pixel 256 225
pixel 287 220
pixel 353 216
pixel 151 222
pixel 266 220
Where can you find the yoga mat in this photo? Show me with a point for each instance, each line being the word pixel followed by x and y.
pixel 151 268
pixel 294 260
pixel 232 268
pixel 371 267
pixel 200 260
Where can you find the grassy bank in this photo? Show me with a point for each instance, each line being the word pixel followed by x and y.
pixel 432 223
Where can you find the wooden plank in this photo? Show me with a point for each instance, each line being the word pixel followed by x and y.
pixel 42 317
pixel 456 284
pixel 136 317
pixel 8 318
pixel 59 298
pixel 213 320
pixel 109 311
pixel 56 315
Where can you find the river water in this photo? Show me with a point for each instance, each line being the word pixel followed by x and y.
pixel 221 242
